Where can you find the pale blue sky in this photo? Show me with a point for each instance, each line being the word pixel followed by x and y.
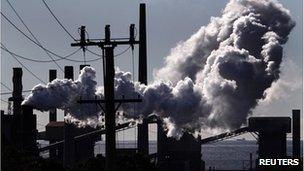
pixel 168 22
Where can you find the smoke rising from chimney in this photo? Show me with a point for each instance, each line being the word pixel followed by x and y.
pixel 212 80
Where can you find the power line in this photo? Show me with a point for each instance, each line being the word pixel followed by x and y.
pixel 40 61
pixel 120 53
pixel 6 93
pixel 61 57
pixel 4 101
pixel 30 39
pixel 27 28
pixel 49 9
pixel 6 86
pixel 25 66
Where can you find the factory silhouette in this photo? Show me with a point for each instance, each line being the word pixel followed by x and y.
pixel 70 145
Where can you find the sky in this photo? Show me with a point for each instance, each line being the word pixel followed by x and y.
pixel 168 22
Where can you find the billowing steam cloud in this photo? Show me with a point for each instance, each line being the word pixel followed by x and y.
pixel 64 94
pixel 214 79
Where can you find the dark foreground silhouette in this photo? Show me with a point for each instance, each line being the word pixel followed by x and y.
pixel 16 160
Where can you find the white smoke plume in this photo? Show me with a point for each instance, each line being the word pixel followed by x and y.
pixel 65 93
pixel 212 80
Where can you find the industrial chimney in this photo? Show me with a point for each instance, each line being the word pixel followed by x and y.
pixel 142 73
pixel 53 112
pixel 82 66
pixel 69 72
pixel 296 142
pixel 17 91
pixel 68 145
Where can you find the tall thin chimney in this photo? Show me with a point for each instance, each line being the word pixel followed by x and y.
pixel 82 66
pixel 142 73
pixel 68 145
pixel 296 144
pixel 69 72
pixel 17 90
pixel 53 112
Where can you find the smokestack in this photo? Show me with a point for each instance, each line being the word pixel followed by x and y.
pixel 142 71
pixel 68 142
pixel 82 66
pixel 296 144
pixel 69 72
pixel 53 112
pixel 17 91
pixel 27 110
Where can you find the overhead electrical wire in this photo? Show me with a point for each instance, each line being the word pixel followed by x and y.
pixel 6 93
pixel 4 101
pixel 42 47
pixel 62 26
pixel 6 86
pixel 24 66
pixel 27 28
pixel 120 53
pixel 40 61
pixel 49 9
pixel 30 39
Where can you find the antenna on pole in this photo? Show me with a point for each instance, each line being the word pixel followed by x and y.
pixel 132 35
pixel 83 41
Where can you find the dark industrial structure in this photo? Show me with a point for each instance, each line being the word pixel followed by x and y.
pixel 70 145
pixel 19 129
pixel 80 149
pixel 178 155
pixel 272 135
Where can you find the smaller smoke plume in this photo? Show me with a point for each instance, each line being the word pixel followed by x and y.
pixel 64 94
pixel 287 84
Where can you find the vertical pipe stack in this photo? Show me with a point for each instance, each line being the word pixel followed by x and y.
pixel 17 98
pixel 17 90
pixel 24 124
pixel 82 66
pixel 143 129
pixel 69 72
pixel 53 112
pixel 142 73
pixel 296 143
pixel 69 143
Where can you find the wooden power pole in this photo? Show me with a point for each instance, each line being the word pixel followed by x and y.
pixel 108 45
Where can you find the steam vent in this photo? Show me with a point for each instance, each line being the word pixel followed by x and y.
pixel 226 97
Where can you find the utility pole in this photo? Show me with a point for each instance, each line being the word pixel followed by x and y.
pixel 108 45
pixel 143 128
